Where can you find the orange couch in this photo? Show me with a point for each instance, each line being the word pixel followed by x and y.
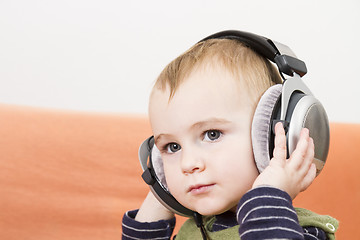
pixel 72 175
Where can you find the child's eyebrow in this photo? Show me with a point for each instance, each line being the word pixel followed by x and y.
pixel 158 137
pixel 209 121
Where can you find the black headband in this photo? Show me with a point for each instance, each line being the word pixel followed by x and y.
pixel 278 53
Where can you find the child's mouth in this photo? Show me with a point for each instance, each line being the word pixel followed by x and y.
pixel 200 188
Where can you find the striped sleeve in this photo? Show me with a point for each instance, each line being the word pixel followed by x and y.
pixel 267 213
pixel 132 229
pixel 314 233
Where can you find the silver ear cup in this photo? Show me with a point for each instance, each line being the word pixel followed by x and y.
pixel 304 111
pixel 309 113
pixel 260 130
pixel 151 178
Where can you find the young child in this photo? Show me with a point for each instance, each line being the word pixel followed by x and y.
pixel 201 109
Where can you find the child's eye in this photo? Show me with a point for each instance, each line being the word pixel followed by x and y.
pixel 172 147
pixel 212 135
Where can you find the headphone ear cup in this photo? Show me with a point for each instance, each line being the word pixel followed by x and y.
pixel 261 126
pixel 309 113
pixel 154 176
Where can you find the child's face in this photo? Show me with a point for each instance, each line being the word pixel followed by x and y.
pixel 203 134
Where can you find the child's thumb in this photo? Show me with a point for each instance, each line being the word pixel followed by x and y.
pixel 280 143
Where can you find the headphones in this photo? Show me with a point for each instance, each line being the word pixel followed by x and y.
pixel 291 103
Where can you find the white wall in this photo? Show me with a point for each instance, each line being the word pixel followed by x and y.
pixel 103 55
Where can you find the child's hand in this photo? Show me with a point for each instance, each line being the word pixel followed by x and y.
pixel 291 175
pixel 152 210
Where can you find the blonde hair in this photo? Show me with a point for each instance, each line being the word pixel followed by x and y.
pixel 253 70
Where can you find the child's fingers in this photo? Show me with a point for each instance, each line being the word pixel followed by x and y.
pixel 309 177
pixel 310 152
pixel 301 152
pixel 280 144
pixel 308 157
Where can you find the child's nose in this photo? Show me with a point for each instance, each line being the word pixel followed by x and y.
pixel 192 162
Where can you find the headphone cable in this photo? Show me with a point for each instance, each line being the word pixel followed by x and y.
pixel 199 223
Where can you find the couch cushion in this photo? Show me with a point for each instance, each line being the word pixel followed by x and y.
pixel 72 175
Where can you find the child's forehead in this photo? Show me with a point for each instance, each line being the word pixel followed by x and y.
pixel 205 89
pixel 190 112
pixel 209 75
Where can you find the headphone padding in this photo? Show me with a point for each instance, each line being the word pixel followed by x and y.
pixel 158 165
pixel 260 130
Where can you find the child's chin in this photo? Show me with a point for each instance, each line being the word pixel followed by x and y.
pixel 214 211
pixel 210 207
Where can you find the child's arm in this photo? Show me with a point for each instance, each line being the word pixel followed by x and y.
pixel 151 221
pixel 152 210
pixel 267 213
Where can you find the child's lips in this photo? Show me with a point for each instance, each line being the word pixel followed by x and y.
pixel 200 188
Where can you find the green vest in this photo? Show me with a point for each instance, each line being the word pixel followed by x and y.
pixel 189 230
